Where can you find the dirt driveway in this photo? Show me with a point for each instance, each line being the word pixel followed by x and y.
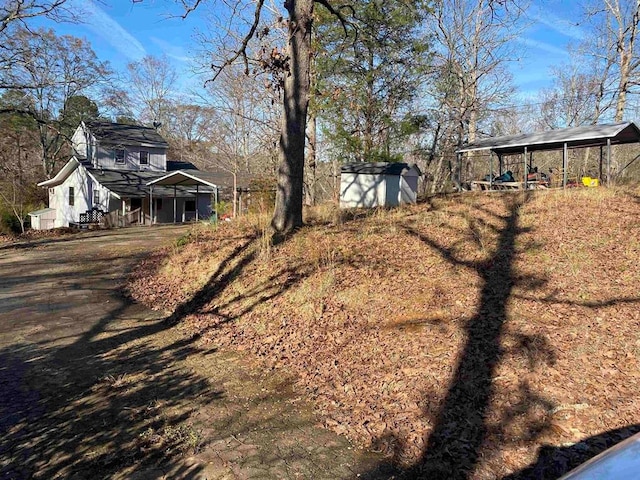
pixel 95 386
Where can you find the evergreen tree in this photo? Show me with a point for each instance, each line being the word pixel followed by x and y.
pixel 369 75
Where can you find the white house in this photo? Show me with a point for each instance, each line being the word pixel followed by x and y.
pixel 112 170
pixel 381 184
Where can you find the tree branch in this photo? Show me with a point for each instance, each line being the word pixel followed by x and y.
pixel 242 51
pixel 338 14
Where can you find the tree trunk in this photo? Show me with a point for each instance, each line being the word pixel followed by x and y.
pixel 623 86
pixel 312 160
pixel 288 208
pixel 235 194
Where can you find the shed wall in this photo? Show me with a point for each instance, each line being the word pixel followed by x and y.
pixel 365 191
pixel 408 189
pixel 43 221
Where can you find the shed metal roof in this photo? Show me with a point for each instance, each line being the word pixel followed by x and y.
pixel 379 168
pixel 583 136
pixel 41 211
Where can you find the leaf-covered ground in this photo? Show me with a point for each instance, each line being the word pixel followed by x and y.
pixel 473 336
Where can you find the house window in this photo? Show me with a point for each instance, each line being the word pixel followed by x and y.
pixel 144 158
pixel 96 197
pixel 119 155
pixel 72 195
pixel 52 191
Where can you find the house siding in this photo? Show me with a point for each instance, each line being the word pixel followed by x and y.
pixel 106 201
pixel 79 142
pixel 59 198
pixel 105 158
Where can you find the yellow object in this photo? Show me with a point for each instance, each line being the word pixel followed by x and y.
pixel 590 182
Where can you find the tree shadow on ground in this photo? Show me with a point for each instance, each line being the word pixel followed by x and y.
pixel 110 401
pixel 466 430
pixel 104 401
pixel 553 462
pixel 454 445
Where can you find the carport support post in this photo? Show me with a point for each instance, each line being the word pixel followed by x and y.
pixel 600 164
pixel 565 165
pixel 490 170
pixel 500 165
pixel 215 199
pixel 526 172
pixel 175 205
pixel 608 162
pixel 197 190
pixel 459 172
pixel 151 206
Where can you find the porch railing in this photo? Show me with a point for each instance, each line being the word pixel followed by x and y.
pixel 118 219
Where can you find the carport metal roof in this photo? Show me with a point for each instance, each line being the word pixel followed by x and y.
pixel 584 136
pixel 565 138
pixel 182 177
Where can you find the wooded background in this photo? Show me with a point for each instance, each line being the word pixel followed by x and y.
pixel 294 91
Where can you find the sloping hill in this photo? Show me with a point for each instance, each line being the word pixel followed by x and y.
pixel 459 336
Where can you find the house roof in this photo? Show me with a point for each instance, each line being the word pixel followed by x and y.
pixel 62 175
pixel 120 133
pixel 132 184
pixel 379 168
pixel 584 136
pixel 173 165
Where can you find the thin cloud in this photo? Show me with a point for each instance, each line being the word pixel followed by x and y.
pixel 557 24
pixel 542 46
pixel 103 25
pixel 172 51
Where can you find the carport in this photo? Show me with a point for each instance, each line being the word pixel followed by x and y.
pixel 603 136
pixel 184 178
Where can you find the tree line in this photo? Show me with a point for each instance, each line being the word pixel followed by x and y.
pixel 291 92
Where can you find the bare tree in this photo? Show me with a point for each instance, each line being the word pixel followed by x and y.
pixel 18 14
pixel 295 64
pixel 614 44
pixel 19 166
pixel 12 11
pixel 475 44
pixel 151 82
pixel 50 70
pixel 245 127
pixel 572 100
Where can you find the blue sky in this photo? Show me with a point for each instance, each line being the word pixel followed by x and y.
pixel 552 26
pixel 122 31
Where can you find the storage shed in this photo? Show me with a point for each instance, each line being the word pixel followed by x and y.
pixel 43 219
pixel 369 185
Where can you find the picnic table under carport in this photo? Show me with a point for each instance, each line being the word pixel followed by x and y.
pixel 604 135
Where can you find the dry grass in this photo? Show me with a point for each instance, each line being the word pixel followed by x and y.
pixel 501 321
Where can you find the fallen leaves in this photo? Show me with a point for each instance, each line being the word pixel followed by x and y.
pixel 375 336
